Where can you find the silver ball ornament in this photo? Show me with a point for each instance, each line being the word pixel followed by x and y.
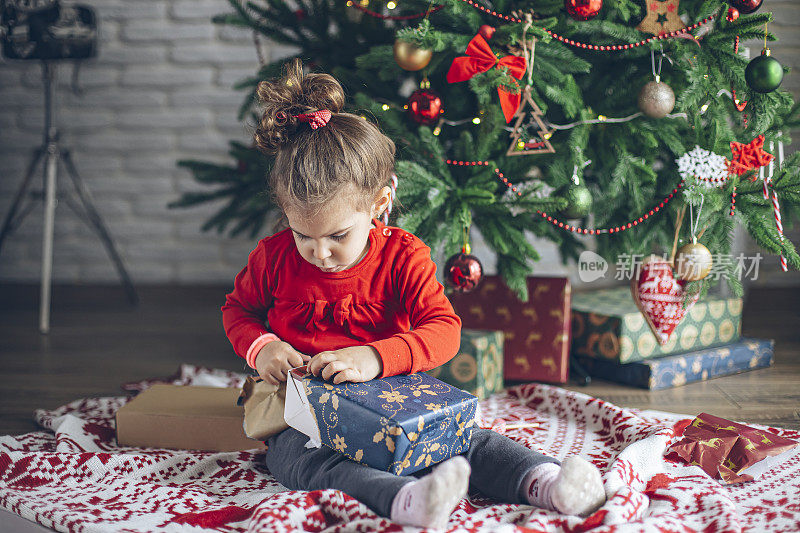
pixel 656 99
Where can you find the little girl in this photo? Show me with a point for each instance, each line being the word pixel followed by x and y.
pixel 356 299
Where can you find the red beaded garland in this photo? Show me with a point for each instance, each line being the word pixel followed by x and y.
pixel 602 48
pixel 616 229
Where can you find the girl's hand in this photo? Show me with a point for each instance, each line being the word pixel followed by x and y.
pixel 275 360
pixel 356 364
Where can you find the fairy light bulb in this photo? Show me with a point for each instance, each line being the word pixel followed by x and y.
pixel 437 130
pixel 476 120
pixel 385 107
pixel 391 5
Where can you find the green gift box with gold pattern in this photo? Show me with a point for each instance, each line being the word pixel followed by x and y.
pixel 607 324
pixel 478 366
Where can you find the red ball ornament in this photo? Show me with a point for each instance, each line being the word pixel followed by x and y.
pixel 486 31
pixel 746 6
pixel 733 14
pixel 583 9
pixel 463 272
pixel 424 106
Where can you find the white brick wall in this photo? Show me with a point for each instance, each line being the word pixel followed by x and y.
pixel 160 91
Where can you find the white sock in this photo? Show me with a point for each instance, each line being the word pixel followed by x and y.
pixel 578 490
pixel 538 485
pixel 574 488
pixel 429 501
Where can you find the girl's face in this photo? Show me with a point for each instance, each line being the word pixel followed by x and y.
pixel 337 237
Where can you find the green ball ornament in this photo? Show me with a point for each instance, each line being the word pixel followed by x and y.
pixel 764 74
pixel 579 202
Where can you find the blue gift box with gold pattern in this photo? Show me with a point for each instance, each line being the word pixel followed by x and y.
pixel 399 424
pixel 680 369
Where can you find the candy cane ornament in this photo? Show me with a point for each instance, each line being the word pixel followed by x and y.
pixel 391 200
pixel 776 208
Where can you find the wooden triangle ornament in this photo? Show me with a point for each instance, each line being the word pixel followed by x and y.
pixel 539 144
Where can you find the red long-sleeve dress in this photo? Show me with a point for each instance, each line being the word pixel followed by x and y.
pixel 390 300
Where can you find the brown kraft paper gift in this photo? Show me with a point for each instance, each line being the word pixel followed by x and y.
pixel 263 408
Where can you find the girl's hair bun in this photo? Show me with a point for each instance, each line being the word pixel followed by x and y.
pixel 292 94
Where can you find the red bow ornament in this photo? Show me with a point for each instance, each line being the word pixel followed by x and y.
pixel 479 59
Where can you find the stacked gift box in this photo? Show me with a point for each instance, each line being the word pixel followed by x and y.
pixel 612 340
pixel 478 366
pixel 535 332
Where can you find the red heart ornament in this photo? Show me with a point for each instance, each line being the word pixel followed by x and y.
pixel 659 296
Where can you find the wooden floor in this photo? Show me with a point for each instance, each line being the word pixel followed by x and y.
pixel 97 341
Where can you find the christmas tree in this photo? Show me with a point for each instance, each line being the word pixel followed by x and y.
pixel 640 126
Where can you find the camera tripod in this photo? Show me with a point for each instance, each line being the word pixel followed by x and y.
pixel 52 154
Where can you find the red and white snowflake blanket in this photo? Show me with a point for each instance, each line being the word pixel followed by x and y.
pixel 73 477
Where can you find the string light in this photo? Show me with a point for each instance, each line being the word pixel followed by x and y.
pixel 363 9
pixel 476 120
pixel 391 5
pixel 385 107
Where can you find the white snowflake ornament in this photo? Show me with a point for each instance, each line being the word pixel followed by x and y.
pixel 709 168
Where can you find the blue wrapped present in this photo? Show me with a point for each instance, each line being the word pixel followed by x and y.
pixel 399 424
pixel 675 370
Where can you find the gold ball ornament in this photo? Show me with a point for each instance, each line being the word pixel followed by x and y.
pixel 693 262
pixel 656 99
pixel 411 57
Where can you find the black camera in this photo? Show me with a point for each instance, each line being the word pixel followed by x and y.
pixel 46 29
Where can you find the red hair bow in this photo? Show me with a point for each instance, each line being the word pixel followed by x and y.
pixel 317 119
pixel 479 59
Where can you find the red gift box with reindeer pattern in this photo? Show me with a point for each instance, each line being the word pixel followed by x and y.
pixel 536 346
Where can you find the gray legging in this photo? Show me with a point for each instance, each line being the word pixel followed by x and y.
pixel 498 466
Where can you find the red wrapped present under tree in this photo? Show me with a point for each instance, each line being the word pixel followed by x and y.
pixel 725 449
pixel 536 346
